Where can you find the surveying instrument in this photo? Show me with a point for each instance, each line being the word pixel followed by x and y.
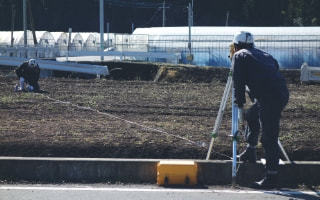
pixel 237 119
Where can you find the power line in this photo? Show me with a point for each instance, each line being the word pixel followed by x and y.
pixel 134 4
pixel 139 4
pixel 151 18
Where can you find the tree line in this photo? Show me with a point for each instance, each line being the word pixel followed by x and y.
pixel 125 15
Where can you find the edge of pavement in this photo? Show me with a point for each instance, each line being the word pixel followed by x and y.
pixel 95 170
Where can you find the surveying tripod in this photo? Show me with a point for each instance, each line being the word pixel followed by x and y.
pixel 237 118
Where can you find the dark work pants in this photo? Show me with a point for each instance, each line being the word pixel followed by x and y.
pixel 265 114
pixel 253 128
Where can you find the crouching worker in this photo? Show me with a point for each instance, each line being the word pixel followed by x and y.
pixel 259 71
pixel 29 73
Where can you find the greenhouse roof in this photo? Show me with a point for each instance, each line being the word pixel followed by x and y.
pixel 230 30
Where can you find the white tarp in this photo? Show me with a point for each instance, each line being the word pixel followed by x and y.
pixel 309 73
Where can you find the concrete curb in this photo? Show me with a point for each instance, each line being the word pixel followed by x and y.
pixel 96 170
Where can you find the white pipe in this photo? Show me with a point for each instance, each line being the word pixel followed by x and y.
pixel 60 66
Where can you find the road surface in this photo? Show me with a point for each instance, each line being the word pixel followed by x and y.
pixel 141 192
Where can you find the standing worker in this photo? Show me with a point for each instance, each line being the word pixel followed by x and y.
pixel 258 72
pixel 28 72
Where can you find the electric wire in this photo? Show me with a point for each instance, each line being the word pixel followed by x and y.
pixel 139 4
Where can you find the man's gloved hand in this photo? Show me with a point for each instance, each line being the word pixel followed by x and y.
pixel 232 51
pixel 240 105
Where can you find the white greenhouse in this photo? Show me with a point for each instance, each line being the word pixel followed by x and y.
pixel 61 41
pixel 18 37
pixel 47 39
pixel 92 42
pixel 291 46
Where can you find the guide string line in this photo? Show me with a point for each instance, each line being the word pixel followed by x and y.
pixel 134 123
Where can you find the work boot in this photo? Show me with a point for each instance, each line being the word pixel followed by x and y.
pixel 270 181
pixel 249 155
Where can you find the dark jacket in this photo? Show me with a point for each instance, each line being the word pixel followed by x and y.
pixel 260 72
pixel 30 74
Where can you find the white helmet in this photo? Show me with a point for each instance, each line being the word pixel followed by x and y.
pixel 243 37
pixel 32 62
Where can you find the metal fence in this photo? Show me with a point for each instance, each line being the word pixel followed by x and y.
pixel 290 51
pixel 207 50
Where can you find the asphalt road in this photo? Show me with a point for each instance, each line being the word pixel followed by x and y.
pixel 141 192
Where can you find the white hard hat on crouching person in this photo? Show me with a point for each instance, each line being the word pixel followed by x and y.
pixel 32 62
pixel 243 37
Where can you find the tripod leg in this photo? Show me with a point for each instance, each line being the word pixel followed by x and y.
pixel 220 114
pixel 234 131
pixel 283 151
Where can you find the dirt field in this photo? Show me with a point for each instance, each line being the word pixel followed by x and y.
pixel 169 118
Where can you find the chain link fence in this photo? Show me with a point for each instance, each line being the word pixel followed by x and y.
pixel 207 50
pixel 290 51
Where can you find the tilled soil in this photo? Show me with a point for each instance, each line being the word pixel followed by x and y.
pixel 73 117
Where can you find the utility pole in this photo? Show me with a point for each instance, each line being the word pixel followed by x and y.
pixel 190 56
pixel 102 27
pixel 13 13
pixel 69 42
pixel 192 14
pixel 108 30
pixel 163 7
pixel 24 5
pixel 35 42
pixel 164 14
pixel 227 20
